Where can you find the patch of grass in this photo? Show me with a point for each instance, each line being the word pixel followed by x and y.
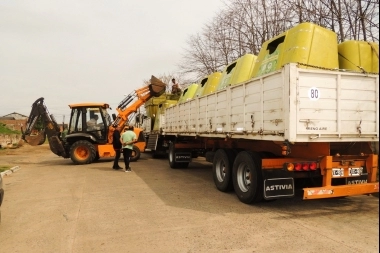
pixel 4 168
pixel 5 130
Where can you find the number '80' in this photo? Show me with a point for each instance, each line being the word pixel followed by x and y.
pixel 314 93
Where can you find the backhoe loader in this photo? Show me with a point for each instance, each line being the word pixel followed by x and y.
pixel 86 139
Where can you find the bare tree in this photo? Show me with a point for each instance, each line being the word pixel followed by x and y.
pixel 244 25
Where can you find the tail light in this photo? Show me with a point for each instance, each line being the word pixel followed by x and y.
pixel 313 166
pixel 302 166
pixel 298 166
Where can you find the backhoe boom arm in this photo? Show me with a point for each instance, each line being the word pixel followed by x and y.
pixel 51 129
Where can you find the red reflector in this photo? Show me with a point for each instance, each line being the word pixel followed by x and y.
pixel 298 166
pixel 305 166
pixel 313 166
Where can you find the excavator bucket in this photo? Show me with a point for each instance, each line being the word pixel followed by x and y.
pixel 156 87
pixel 37 139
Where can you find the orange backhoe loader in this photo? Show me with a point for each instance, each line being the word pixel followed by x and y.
pixel 88 136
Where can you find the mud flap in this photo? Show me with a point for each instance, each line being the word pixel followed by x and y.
pixel 275 188
pixel 182 157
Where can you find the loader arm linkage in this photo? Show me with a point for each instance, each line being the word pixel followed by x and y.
pixel 133 101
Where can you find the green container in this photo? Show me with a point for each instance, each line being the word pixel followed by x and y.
pixel 161 111
pixel 305 43
pixel 152 104
pixel 201 87
pixel 208 84
pixel 239 71
pixel 225 80
pixel 188 93
pixel 212 83
pixel 359 56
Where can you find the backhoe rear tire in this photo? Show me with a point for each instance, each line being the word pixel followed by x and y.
pixel 135 154
pixel 82 152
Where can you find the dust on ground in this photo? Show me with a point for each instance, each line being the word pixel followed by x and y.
pixel 22 154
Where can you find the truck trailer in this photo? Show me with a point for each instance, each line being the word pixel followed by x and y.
pixel 318 127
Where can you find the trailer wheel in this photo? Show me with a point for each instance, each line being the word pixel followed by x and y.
pixel 82 152
pixel 135 154
pixel 173 164
pixel 222 169
pixel 247 177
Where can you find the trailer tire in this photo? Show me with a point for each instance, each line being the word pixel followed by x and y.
pixel 82 152
pixel 136 153
pixel 247 177
pixel 222 169
pixel 173 164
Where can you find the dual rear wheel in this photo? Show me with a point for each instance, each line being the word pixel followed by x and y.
pixel 241 172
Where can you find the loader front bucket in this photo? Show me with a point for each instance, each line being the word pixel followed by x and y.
pixel 156 86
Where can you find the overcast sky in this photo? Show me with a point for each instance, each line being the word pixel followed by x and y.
pixel 90 50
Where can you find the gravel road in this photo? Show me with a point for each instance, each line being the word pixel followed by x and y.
pixel 51 205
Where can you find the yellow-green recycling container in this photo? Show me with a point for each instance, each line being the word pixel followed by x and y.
pixel 208 84
pixel 188 93
pixel 212 83
pixel 152 104
pixel 359 56
pixel 201 87
pixel 244 69
pixel 305 43
pixel 226 75
pixel 161 111
pixel 239 71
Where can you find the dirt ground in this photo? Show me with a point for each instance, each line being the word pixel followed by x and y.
pixel 51 205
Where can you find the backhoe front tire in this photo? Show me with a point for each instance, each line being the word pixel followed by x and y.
pixel 82 152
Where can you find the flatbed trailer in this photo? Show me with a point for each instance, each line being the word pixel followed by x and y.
pixel 308 126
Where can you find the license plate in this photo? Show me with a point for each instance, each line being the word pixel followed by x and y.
pixel 337 172
pixel 354 172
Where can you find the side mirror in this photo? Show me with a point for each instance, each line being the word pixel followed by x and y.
pixel 113 116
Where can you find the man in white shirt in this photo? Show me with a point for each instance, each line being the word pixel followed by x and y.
pixel 176 88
